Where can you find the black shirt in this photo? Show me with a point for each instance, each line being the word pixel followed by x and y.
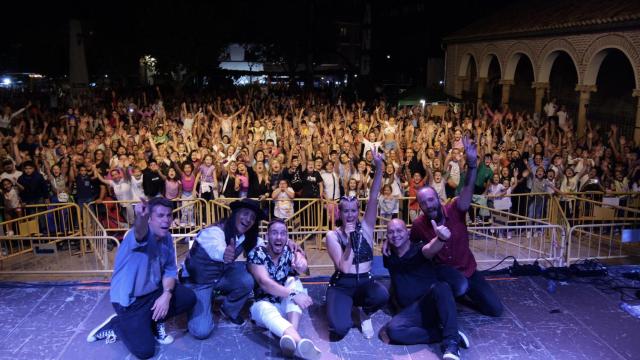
pixel 411 275
pixel 152 183
pixel 295 178
pixel 311 184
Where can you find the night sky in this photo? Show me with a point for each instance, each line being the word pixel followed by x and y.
pixel 193 32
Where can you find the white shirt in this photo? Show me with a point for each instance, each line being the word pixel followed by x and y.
pixel 137 191
pixel 368 145
pixel 550 109
pixel 213 242
pixel 13 176
pixel 122 190
pixel 331 185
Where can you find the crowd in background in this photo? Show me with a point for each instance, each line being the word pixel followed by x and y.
pixel 272 143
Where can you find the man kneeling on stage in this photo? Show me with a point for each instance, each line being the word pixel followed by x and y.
pixel 280 297
pixel 144 292
pixel 427 307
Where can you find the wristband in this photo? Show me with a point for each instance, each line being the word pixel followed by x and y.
pixel 170 291
pixel 440 239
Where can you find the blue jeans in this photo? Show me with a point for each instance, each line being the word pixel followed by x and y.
pixel 235 284
pixel 482 296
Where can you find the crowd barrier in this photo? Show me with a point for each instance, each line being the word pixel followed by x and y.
pixel 560 229
pixel 50 255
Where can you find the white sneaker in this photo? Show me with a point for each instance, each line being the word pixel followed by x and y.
pixel 308 350
pixel 9 232
pixel 103 331
pixel 161 334
pixel 287 345
pixel 509 235
pixel 192 224
pixel 528 234
pixel 367 329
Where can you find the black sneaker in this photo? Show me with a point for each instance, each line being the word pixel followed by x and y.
pixel 103 331
pixel 238 320
pixel 161 334
pixel 464 340
pixel 451 351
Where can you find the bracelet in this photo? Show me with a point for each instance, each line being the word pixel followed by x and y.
pixel 170 291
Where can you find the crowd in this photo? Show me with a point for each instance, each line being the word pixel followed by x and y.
pixel 273 144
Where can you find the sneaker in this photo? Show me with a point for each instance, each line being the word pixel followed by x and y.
pixel 451 351
pixel 367 329
pixel 238 320
pixel 192 224
pixel 528 234
pixel 9 232
pixel 464 340
pixel 307 350
pixel 287 345
pixel 509 235
pixel 161 334
pixel 103 332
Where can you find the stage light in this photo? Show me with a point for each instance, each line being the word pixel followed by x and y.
pixel 388 56
pixel 6 81
pixel 440 82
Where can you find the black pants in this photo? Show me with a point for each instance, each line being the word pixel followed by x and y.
pixel 420 322
pixel 346 291
pixel 134 325
pixel 482 296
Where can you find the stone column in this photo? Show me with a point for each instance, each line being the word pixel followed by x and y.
pixel 585 95
pixel 540 90
pixel 482 82
pixel 460 86
pixel 506 89
pixel 636 131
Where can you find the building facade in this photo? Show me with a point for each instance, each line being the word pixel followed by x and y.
pixel 586 37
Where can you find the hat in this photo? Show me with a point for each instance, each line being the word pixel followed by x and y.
pixel 250 204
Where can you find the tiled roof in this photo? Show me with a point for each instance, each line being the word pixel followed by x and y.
pixel 535 17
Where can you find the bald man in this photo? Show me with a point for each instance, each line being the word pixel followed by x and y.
pixel 427 306
pixel 448 221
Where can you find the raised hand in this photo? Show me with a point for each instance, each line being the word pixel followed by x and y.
pixel 470 151
pixel 141 209
pixel 378 158
pixel 442 232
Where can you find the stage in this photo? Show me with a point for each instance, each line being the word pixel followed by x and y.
pixel 577 321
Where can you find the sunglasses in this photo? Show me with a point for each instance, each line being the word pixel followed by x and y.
pixel 348 198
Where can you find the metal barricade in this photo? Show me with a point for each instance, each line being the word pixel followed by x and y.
pixel 50 255
pixel 602 240
pixel 116 217
pixel 56 220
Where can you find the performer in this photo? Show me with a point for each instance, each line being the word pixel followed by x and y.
pixel 211 266
pixel 461 270
pixel 280 294
pixel 144 292
pixel 427 309
pixel 351 250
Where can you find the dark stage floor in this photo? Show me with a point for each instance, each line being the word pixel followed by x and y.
pixel 578 321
